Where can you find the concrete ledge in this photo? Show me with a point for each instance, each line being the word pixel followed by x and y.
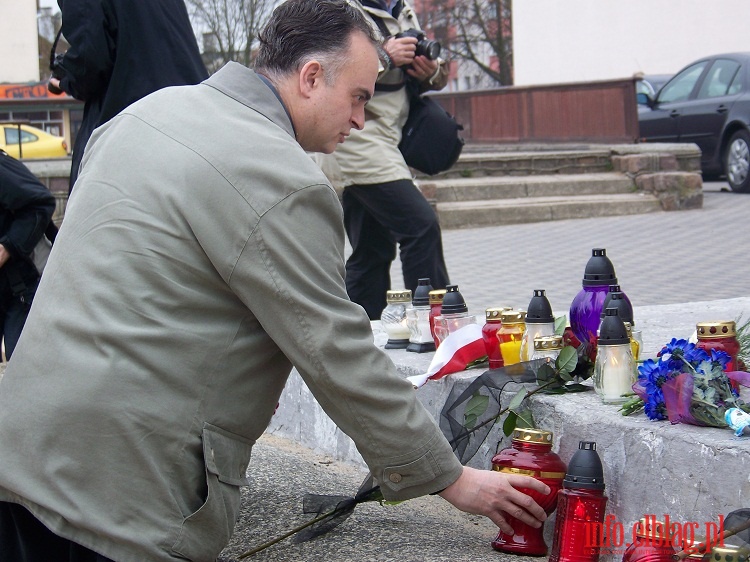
pixel 691 473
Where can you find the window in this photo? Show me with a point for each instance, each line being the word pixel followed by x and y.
pixel 11 136
pixel 679 88
pixel 720 76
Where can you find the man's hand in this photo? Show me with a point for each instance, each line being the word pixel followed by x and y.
pixel 422 68
pixel 4 255
pixel 494 495
pixel 401 50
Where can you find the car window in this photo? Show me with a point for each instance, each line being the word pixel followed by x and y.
pixel 719 78
pixel 679 87
pixel 11 136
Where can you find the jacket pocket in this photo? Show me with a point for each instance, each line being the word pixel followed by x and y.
pixel 206 532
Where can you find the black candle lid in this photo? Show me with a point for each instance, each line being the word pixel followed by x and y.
pixel 585 470
pixel 616 299
pixel 453 301
pixel 540 310
pixel 422 293
pixel 612 330
pixel 599 269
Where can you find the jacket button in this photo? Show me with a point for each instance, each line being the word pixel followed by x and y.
pixel 395 477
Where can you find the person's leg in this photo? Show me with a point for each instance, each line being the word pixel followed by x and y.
pixel 23 538
pixel 401 208
pixel 368 269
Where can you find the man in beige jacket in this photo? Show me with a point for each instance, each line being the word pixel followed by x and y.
pixel 201 257
pixel 382 206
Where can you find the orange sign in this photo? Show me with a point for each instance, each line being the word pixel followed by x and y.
pixel 34 90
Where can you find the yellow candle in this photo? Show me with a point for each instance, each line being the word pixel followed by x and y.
pixel 511 352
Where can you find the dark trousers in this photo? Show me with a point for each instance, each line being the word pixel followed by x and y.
pixel 13 313
pixel 23 538
pixel 377 217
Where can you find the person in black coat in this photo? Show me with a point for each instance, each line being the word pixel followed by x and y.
pixel 26 208
pixel 121 51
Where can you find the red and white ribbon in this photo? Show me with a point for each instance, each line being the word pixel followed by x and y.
pixel 459 349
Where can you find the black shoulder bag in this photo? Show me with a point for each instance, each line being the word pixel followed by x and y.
pixel 430 140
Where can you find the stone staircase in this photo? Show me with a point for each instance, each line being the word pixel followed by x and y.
pixel 494 185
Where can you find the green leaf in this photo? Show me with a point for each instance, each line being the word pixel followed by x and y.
pixel 510 423
pixel 567 377
pixel 475 407
pixel 560 323
pixel 544 374
pixel 525 419
pixel 517 400
pixel 567 360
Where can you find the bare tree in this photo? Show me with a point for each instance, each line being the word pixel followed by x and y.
pixel 230 28
pixel 478 32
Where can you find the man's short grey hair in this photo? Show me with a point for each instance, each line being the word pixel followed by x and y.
pixel 303 30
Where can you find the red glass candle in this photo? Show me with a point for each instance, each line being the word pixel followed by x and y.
pixel 579 523
pixel 436 305
pixel 720 336
pixel 530 454
pixel 492 324
pixel 652 543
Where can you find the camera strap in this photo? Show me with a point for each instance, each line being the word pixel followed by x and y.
pixel 54 49
pixel 379 87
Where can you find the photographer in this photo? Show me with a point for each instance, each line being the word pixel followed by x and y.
pixel 382 206
pixel 26 207
pixel 119 52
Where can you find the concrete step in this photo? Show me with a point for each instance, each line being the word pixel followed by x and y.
pixel 524 163
pixel 494 212
pixel 514 187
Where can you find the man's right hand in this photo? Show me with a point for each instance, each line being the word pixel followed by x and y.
pixel 53 85
pixel 401 50
pixel 494 495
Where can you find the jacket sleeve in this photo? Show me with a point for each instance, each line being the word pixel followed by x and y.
pixel 28 204
pixel 295 258
pixel 90 28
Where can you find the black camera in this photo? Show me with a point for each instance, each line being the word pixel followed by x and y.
pixel 425 47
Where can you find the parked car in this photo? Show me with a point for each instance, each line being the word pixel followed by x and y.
pixel 35 143
pixel 650 84
pixel 706 103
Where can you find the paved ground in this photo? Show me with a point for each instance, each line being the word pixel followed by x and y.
pixel 660 258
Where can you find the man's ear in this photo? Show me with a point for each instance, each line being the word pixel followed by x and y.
pixel 310 77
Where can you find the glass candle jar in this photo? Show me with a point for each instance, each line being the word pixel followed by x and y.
pixel 720 336
pixel 489 335
pixel 652 543
pixel 530 454
pixel 418 319
pixel 539 322
pixel 586 308
pixel 436 304
pixel 614 368
pixel 547 347
pixel 510 335
pixel 454 314
pixel 580 507
pixel 393 318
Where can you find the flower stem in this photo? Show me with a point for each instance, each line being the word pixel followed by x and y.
pixel 287 534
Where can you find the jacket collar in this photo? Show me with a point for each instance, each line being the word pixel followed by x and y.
pixel 246 87
pixel 381 5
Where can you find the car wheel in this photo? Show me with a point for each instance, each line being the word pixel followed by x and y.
pixel 737 162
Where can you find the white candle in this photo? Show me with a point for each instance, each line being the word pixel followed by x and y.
pixel 614 373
